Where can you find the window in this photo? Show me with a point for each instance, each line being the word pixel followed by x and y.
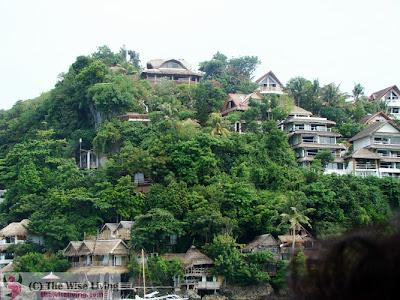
pixel 381 140
pixel 312 152
pixel 309 139
pixel 117 260
pixel 395 110
pixel 327 140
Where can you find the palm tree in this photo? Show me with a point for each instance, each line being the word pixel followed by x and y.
pixel 358 91
pixel 218 125
pixel 297 87
pixel 296 218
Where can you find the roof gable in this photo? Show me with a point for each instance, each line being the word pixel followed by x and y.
pixel 380 94
pixel 270 74
pixel 375 118
pixel 376 128
pixel 109 226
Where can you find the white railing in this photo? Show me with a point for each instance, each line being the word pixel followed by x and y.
pixel 365 166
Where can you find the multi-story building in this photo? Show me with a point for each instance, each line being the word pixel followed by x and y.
pixel 376 151
pixel 308 135
pixel 391 97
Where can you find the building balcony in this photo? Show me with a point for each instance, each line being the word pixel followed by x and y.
pixel 270 89
pixel 98 264
pixel 366 167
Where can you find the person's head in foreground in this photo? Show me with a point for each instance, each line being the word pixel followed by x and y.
pixel 364 264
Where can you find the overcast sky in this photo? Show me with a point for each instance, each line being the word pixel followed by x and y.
pixel 340 41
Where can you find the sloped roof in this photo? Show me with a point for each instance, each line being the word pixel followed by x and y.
pixel 379 94
pixel 104 247
pixel 289 238
pixel 110 226
pixel 72 248
pixel 364 153
pixel 298 110
pixel 264 240
pixel 369 118
pixel 125 224
pixel 158 63
pixel 270 73
pixel 15 228
pixel 372 129
pixel 241 102
pixel 192 257
pixel 98 247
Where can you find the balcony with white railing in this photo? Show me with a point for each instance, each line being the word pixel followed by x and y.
pixel 360 166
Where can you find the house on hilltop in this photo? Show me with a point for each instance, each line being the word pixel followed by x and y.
pixel 177 70
pixel 376 151
pixel 269 84
pixel 308 135
pixel 391 97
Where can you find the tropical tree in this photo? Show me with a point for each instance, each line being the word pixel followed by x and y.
pixel 218 125
pixel 357 91
pixel 297 88
pixel 296 217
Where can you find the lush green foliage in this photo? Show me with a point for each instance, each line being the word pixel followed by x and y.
pixel 206 181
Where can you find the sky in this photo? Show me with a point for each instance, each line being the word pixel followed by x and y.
pixel 341 41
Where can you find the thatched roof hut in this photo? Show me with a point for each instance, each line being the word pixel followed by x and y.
pixel 98 247
pixel 260 243
pixel 15 228
pixel 191 258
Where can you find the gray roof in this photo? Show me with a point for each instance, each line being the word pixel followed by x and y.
pixel 372 129
pixel 379 94
pixel 263 241
pixel 125 224
pixel 364 153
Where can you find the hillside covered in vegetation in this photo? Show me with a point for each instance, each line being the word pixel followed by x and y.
pixel 206 180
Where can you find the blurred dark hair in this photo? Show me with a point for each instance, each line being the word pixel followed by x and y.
pixel 363 264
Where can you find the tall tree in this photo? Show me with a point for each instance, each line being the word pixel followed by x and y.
pixel 296 217
pixel 297 88
pixel 357 91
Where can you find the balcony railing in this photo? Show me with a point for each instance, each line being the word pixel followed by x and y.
pixel 197 271
pixel 270 89
pixel 365 166
pixel 98 264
